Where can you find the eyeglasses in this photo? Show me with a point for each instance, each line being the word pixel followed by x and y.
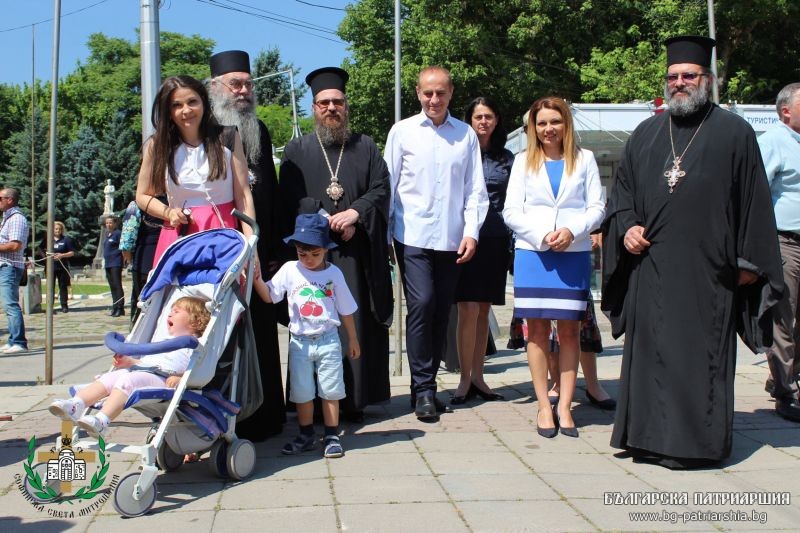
pixel 324 104
pixel 236 84
pixel 687 76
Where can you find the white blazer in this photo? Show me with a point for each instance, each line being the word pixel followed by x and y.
pixel 531 210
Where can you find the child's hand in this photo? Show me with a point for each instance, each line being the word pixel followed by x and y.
pixel 172 381
pixel 123 361
pixel 354 350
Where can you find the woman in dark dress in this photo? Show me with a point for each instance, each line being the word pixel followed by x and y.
pixel 113 264
pixel 63 249
pixel 482 281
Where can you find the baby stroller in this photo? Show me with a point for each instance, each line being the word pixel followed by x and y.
pixel 193 418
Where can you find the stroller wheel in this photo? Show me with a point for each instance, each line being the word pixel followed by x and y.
pixel 41 470
pixel 217 460
pixel 241 459
pixel 168 460
pixel 124 502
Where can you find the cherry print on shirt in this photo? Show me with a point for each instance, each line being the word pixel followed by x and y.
pixel 311 307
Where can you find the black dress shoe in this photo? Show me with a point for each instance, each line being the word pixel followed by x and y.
pixel 113 312
pixel 788 408
pixel 548 433
pixel 485 396
pixel 458 400
pixel 566 431
pixel 609 404
pixel 426 408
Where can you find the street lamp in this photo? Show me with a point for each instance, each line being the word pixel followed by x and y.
pixel 295 126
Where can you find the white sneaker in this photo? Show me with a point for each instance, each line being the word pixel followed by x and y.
pixel 92 425
pixel 65 410
pixel 5 347
pixel 15 348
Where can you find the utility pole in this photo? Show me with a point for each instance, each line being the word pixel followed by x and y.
pixel 150 51
pixel 51 197
pixel 712 32
pixel 33 141
pixel 398 287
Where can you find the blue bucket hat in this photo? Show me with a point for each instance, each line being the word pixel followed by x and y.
pixel 312 230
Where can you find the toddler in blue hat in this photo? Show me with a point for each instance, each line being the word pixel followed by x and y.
pixel 319 302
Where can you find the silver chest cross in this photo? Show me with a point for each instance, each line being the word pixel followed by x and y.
pixel 674 174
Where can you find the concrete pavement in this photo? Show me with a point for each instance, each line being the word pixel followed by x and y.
pixel 480 468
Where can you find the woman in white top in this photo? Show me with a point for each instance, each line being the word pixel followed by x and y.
pixel 188 161
pixel 554 201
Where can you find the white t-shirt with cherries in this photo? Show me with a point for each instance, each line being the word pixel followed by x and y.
pixel 316 297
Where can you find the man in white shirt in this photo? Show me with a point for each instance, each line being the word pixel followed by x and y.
pixel 437 206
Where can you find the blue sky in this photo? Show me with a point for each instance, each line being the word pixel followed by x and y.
pixel 298 43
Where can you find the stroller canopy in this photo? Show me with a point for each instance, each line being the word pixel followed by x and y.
pixel 203 257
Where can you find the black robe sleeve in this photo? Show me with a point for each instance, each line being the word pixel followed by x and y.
pixel 758 251
pixel 618 263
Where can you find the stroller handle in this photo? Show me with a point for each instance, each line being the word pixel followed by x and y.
pixel 247 220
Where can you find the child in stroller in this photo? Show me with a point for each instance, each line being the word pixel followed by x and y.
pixel 188 316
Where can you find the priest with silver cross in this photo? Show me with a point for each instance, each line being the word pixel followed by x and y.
pixel 690 260
pixel 342 175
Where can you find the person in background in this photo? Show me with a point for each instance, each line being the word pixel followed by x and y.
pixel 14 233
pixel 554 201
pixel 482 281
pixel 113 265
pixel 780 148
pixel 63 249
pixel 138 246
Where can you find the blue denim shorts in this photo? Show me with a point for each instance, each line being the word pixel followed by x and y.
pixel 321 354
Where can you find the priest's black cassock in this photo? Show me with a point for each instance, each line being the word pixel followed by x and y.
pixel 364 259
pixel 678 303
pixel 269 418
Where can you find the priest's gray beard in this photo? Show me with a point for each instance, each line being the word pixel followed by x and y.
pixel 228 114
pixel 695 98
pixel 333 135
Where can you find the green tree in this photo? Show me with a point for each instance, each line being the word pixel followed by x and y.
pixel 278 120
pixel 81 183
pixel 277 89
pixel 583 50
pixel 120 159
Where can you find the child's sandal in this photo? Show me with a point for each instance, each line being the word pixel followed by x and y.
pixel 300 444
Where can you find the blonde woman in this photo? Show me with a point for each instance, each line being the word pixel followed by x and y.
pixel 554 201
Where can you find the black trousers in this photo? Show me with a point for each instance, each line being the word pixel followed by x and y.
pixel 429 284
pixel 114 277
pixel 62 277
pixel 138 280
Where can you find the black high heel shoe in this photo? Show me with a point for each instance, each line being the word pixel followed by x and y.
pixel 485 396
pixel 548 433
pixel 566 431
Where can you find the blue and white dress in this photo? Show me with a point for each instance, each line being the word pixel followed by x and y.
pixel 547 284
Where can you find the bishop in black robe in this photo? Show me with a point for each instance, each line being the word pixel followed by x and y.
pixel 678 302
pixel 364 259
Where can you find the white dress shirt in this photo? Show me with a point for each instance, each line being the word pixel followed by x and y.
pixel 438 195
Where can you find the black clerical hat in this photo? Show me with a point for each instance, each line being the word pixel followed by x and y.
pixel 690 49
pixel 229 61
pixel 327 78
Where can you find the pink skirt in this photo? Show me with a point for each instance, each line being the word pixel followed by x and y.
pixel 203 218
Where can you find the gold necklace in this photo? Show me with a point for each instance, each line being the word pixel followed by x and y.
pixel 674 174
pixel 335 190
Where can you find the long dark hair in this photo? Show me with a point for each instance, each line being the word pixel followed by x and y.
pixel 167 137
pixel 497 141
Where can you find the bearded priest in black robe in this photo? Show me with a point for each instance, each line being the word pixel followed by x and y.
pixel 344 174
pixel 234 104
pixel 690 259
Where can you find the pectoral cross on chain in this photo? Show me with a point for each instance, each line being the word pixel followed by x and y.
pixel 674 174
